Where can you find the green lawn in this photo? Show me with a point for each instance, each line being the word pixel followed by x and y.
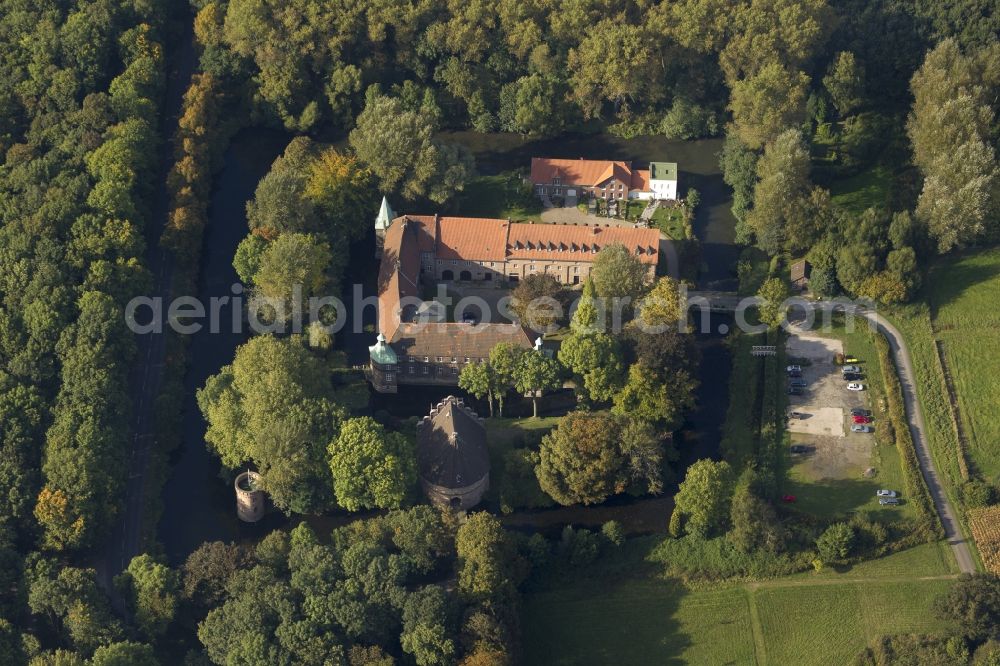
pixel 503 196
pixel 670 221
pixel 831 624
pixel 810 618
pixel 868 188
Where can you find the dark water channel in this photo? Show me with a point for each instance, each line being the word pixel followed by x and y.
pixel 199 505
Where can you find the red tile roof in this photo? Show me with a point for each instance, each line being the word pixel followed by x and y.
pixel 570 242
pixel 640 180
pixel 578 172
pixel 482 239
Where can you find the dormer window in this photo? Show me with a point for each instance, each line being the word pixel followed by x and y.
pixel 556 180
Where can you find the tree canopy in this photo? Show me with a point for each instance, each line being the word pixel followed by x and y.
pixel 274 407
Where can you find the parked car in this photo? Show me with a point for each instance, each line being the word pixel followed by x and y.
pixel 885 493
pixel 850 368
pixel 469 318
pixel 888 501
pixel 851 359
pixel 852 376
pixel 794 368
pixel 794 390
pixel 799 448
pixel 800 383
pixel 796 415
pixel 794 373
pixel 855 386
pixel 861 411
pixel 862 428
pixel 788 498
pixel 862 419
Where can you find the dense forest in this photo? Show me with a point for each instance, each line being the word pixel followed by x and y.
pixel 806 92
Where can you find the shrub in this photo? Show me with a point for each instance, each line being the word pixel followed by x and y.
pixel 613 532
pixel 978 494
pixel 836 542
pixel 578 547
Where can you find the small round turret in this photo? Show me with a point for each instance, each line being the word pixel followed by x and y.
pixel 249 497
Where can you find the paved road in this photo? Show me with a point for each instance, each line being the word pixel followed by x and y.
pixel 915 417
pixel 959 547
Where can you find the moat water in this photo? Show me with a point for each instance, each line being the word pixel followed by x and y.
pixel 198 499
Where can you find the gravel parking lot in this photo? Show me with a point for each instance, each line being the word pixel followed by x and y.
pixel 834 452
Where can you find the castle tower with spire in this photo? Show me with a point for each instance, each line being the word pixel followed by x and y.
pixel 382 221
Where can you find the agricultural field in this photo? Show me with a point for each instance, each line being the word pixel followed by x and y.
pixel 985 526
pixel 820 619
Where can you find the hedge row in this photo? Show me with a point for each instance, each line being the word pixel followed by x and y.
pixel 929 524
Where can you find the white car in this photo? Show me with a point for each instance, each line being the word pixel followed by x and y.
pixel 793 368
pixel 885 493
pixel 850 368
pixel 855 386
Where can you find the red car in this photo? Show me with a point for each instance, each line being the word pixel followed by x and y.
pixel 788 498
pixel 862 419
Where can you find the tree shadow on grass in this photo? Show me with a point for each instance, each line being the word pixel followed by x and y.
pixel 949 280
pixel 833 497
pixel 594 621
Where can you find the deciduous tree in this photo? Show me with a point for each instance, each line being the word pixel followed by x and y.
pixel 274 406
pixel 581 461
pixel 371 468
pixel 535 374
pixel 703 499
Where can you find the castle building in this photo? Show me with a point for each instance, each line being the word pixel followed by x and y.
pixel 452 456
pixel 429 249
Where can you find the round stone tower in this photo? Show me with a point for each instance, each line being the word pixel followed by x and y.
pixel 249 497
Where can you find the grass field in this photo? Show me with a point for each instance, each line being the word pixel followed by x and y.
pixel 817 619
pixel 502 196
pixel 960 310
pixel 858 193
pixel 516 487
pixel 963 294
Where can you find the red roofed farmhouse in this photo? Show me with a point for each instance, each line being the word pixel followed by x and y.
pixel 433 249
pixel 603 179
